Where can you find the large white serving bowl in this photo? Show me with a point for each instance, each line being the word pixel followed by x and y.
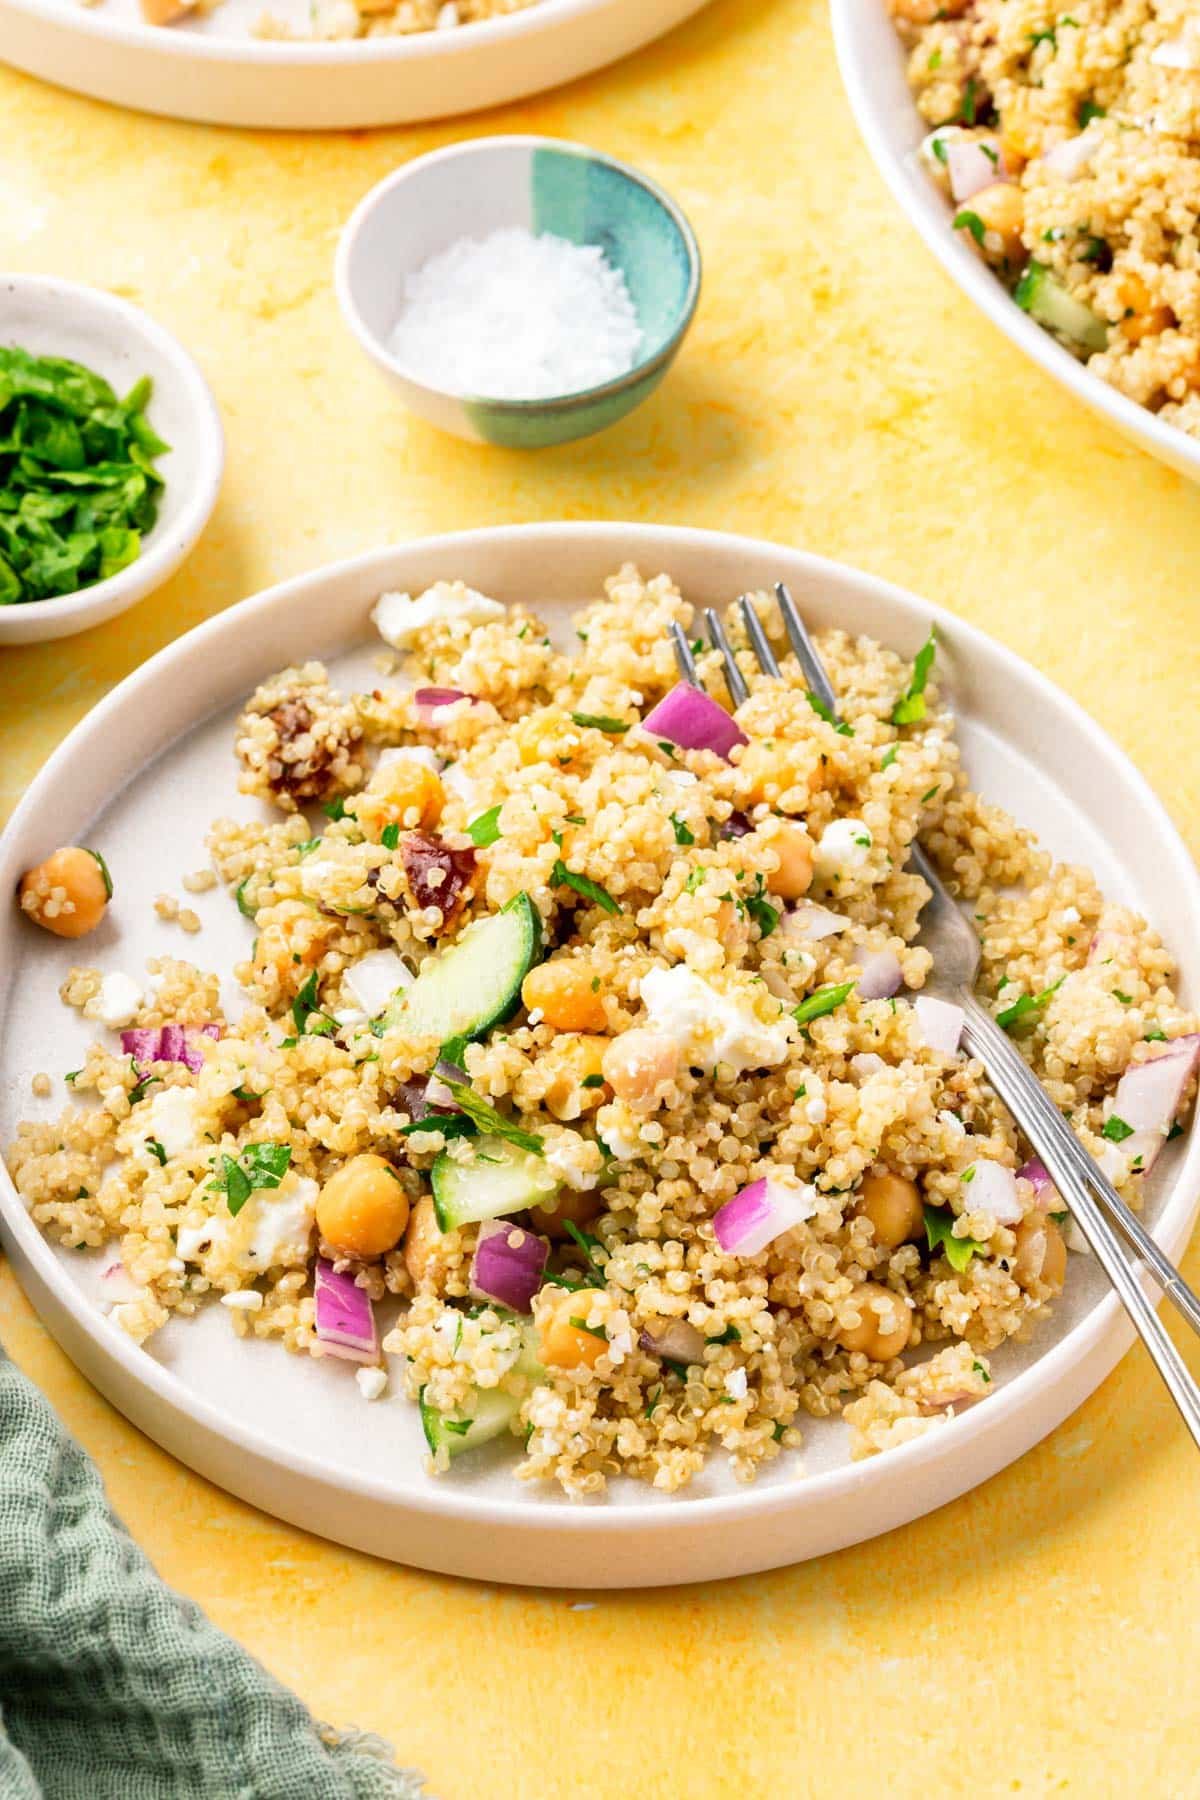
pixel 49 317
pixel 212 68
pixel 872 61
pixel 142 777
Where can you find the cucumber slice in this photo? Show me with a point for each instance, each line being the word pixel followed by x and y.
pixel 487 1415
pixel 476 982
pixel 489 1181
pixel 1042 295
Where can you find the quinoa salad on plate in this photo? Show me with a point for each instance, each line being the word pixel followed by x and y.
pixel 583 1081
pixel 1067 141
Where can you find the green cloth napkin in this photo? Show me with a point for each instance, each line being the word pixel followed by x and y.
pixel 114 1688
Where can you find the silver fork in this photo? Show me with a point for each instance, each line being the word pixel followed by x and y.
pixel 954 946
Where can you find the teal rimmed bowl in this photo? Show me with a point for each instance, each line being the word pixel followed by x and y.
pixel 546 185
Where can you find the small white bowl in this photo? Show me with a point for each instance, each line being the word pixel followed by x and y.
pixel 545 185
pixel 49 317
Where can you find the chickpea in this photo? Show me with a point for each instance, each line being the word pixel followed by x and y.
pixel 1143 318
pixel 363 1209
pixel 884 1323
pixel 422 1238
pixel 1041 1253
pixel 403 792
pixel 564 1345
pixel 567 994
pixel 576 1059
pixel 794 847
pixel 639 1064
pixel 893 1205
pixel 571 1206
pixel 66 894
pixel 1000 210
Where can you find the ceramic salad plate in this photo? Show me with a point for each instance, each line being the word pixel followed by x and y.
pixel 872 61
pixel 147 772
pixel 214 68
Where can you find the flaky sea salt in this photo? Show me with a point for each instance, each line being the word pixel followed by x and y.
pixel 516 317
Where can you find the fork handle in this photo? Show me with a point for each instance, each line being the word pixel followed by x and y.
pixel 1038 1118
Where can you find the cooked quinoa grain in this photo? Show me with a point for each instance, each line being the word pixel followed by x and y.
pixel 532 1027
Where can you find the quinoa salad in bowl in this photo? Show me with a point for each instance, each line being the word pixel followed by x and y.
pixel 1066 142
pixel 582 1082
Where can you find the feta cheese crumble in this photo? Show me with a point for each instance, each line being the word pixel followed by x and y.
pixel 118 1000
pixel 710 1027
pixel 400 619
pixel 843 848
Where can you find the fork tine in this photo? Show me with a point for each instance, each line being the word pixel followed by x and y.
pixel 738 691
pixel 683 653
pixel 806 653
pixel 758 637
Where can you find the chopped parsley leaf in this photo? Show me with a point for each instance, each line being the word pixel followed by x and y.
pixel 259 1166
pixel 926 798
pixel 592 1081
pixel 911 705
pixel 1154 1037
pixel 1116 1130
pixel 969 107
pixel 1125 999
pixel 108 886
pixel 824 712
pixel 596 1331
pixel 561 876
pixel 488 1118
pixel 157 1150
pixel 682 834
pixel 824 1000
pixel 693 881
pixel 239 894
pixel 980 1370
pixel 939 1232
pixel 307 847
pixel 307 1015
pixel 451 1125
pixel 889 756
pixel 389 837
pixel 334 809
pixel 598 722
pixel 966 220
pixel 1026 1004
pixel 1089 111
pixel 485 829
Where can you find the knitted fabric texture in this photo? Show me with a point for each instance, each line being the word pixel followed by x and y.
pixel 114 1688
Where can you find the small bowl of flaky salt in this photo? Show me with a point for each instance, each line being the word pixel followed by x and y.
pixel 519 290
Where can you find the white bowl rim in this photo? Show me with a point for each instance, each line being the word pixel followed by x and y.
pixel 442 1502
pixel 156 564
pixel 577 397
pixel 972 274
pixel 414 47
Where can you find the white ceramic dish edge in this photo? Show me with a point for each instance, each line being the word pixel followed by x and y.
pixel 451 1530
pixel 51 317
pixel 329 86
pixel 871 59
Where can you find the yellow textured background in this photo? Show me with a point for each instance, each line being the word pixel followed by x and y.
pixel 1039 1635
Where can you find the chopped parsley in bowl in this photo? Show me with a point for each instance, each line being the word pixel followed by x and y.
pixel 79 488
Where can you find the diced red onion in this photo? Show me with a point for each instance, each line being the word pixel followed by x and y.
pixel 508 1264
pixel 761 1212
pixel 677 1341
pixel 881 976
pixel 1044 1191
pixel 419 1102
pixel 811 922
pixel 1148 1097
pixel 940 1023
pixel 1070 158
pixel 737 825
pixel 345 1316
pixel 167 1043
pixel 1106 946
pixel 429 703
pixel 969 166
pixel 689 718
pixel 992 1189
